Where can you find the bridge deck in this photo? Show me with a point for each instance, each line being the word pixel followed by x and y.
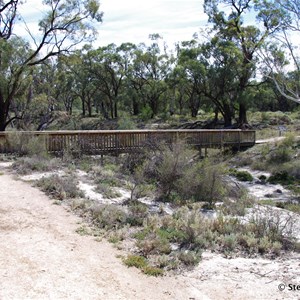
pixel 109 141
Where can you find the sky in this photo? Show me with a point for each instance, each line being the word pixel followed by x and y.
pixel 133 20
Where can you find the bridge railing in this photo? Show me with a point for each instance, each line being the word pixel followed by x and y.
pixel 108 141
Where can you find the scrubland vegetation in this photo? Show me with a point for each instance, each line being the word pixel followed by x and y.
pixel 179 204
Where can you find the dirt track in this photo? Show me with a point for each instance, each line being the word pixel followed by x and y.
pixel 42 257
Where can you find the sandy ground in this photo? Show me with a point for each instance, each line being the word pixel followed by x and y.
pixel 42 257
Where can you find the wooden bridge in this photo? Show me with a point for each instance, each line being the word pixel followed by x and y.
pixel 120 141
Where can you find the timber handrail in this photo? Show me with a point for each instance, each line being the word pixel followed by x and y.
pixel 108 141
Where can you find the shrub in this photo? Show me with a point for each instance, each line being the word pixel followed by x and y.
pixel 125 122
pixel 281 154
pixel 171 165
pixel 135 261
pixel 282 177
pixel 289 140
pixel 204 181
pixel 190 258
pixel 272 223
pixel 292 168
pixel 264 245
pixel 146 113
pixel 142 264
pixel 26 144
pixel 108 216
pixel 229 241
pixel 35 163
pixel 242 175
pixel 238 206
pixel 107 191
pixel 153 271
pixel 137 213
pixel 59 187
pixel 154 245
pixel 276 247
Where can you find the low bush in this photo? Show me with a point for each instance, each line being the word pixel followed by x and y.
pixel 137 213
pixel 238 206
pixel 280 154
pixel 26 165
pixel 59 187
pixel 106 190
pixel 26 144
pixel 108 216
pixel 190 258
pixel 142 264
pixel 282 177
pixel 154 245
pixel 288 205
pixel 241 175
pixel 135 261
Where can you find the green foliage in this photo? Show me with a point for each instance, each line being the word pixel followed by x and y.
pixel 126 122
pixel 137 213
pixel 106 190
pixel 27 165
pixel 242 175
pixel 179 176
pixel 154 245
pixel 108 216
pixel 26 144
pixel 141 263
pixel 281 154
pixel 135 261
pixel 190 258
pixel 291 206
pixel 281 177
pixel 153 271
pixel 238 206
pixel 146 113
pixel 59 187
pixel 229 241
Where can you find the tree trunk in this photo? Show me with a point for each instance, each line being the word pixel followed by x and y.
pixel 216 115
pixel 227 114
pixel 83 107
pixel 4 107
pixel 194 112
pixel 135 107
pixel 116 109
pixel 242 114
pixel 89 106
pixel 2 121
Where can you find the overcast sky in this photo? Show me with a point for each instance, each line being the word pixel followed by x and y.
pixel 133 20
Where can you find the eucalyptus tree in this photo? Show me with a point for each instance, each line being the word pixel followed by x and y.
pixel 65 83
pixel 84 86
pixel 41 98
pixel 148 73
pixel 223 62
pixel 109 67
pixel 228 19
pixel 191 70
pixel 65 24
pixel 281 54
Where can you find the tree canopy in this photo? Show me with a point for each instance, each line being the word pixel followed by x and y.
pixel 65 24
pixel 234 65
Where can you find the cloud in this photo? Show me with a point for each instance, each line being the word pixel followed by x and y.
pixel 131 21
